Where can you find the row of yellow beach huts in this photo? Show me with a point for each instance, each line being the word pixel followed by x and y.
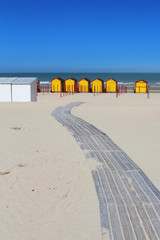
pixel 97 85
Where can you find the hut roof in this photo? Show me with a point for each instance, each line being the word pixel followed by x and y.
pixel 98 79
pixel 24 80
pixel 7 80
pixel 17 80
pixel 141 80
pixel 71 79
pixel 57 78
pixel 85 79
pixel 111 79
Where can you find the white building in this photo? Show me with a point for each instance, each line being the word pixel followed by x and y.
pixel 18 89
pixel 24 90
pixel 6 89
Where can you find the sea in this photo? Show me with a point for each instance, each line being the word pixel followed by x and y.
pixel 129 79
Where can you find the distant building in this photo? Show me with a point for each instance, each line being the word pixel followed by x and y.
pixel 70 85
pixel 97 85
pixel 111 85
pixel 84 85
pixel 56 85
pixel 141 86
pixel 6 89
pixel 18 89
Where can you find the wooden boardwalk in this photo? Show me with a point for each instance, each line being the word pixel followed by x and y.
pixel 129 203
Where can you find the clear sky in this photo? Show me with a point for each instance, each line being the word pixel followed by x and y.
pixel 80 36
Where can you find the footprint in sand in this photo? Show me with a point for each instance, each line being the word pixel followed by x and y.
pixel 4 173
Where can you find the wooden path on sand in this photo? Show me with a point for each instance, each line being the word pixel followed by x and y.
pixel 129 203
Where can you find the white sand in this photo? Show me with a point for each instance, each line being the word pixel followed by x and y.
pixel 133 123
pixel 48 192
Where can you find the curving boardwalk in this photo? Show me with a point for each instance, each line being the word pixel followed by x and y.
pixel 129 203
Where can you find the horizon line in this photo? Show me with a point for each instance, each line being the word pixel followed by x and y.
pixel 78 72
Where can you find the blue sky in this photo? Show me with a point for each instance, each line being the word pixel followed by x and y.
pixel 80 36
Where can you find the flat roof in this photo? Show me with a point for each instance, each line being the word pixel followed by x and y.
pixel 8 80
pixel 24 80
pixel 15 80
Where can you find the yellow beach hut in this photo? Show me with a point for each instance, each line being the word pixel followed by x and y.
pixel 84 85
pixel 97 85
pixel 56 85
pixel 111 85
pixel 70 85
pixel 141 86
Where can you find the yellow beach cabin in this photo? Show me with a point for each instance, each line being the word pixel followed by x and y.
pixel 84 85
pixel 56 85
pixel 141 86
pixel 97 85
pixel 70 85
pixel 111 85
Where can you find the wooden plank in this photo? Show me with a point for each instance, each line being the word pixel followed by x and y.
pixel 129 165
pixel 125 222
pixel 91 129
pixel 80 139
pixel 86 143
pixel 105 138
pixel 102 204
pixel 130 160
pixel 98 142
pixel 150 184
pixel 118 160
pixel 99 157
pixel 105 186
pixel 89 142
pixel 136 223
pixel 112 160
pixel 146 186
pixel 74 130
pixel 113 187
pixel 131 192
pixel 116 147
pixel 112 146
pixel 153 217
pixel 77 138
pixel 115 223
pixel 146 223
pixel 104 142
pixel 106 146
pixel 95 145
pixel 82 147
pixel 137 188
pixel 82 130
pixel 157 209
pixel 121 187
pixel 93 154
pixel 107 161
pixel 71 130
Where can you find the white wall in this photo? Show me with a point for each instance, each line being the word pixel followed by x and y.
pixel 5 92
pixel 21 93
pixel 18 91
pixel 34 91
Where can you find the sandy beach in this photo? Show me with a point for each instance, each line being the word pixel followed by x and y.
pixel 47 191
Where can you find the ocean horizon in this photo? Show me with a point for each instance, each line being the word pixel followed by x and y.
pixel 121 78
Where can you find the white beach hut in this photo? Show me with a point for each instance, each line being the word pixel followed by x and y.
pixel 6 89
pixel 24 90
